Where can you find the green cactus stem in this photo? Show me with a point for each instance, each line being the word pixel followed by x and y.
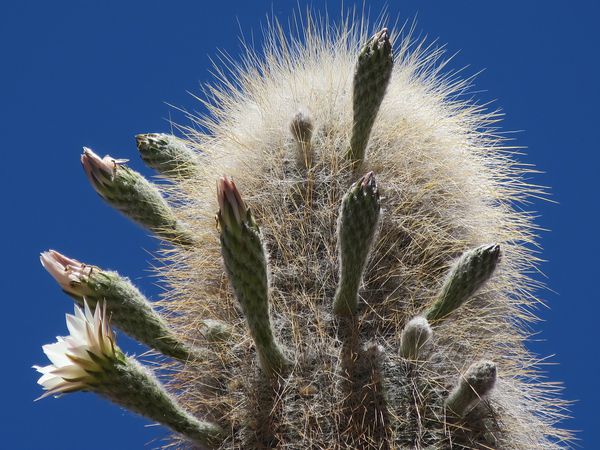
pixel 357 224
pixel 168 155
pixel 129 192
pixel 472 387
pixel 246 264
pixel 468 274
pixel 371 77
pixel 129 309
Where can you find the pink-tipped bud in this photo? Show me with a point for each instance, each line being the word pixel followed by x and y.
pixel 368 181
pixel 68 273
pixel 100 171
pixel 232 209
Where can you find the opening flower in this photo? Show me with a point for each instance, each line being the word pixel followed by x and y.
pixel 68 273
pixel 100 171
pixel 232 209
pixel 78 359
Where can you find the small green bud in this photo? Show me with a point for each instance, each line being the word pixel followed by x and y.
pixel 167 154
pixel 302 130
pixel 371 77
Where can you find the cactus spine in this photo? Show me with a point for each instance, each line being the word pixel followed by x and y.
pixel 294 356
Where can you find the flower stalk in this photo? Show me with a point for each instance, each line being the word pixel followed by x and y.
pixel 357 224
pixel 89 360
pixel 371 77
pixel 130 310
pixel 130 193
pixel 246 264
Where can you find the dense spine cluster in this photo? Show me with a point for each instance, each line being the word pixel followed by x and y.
pixel 351 298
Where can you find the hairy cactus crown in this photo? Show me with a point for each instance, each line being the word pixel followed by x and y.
pixel 355 295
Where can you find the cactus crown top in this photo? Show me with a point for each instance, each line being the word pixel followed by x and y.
pixel 354 274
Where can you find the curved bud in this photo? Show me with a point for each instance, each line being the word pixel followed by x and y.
pixel 128 307
pixel 129 192
pixel 468 274
pixel 167 154
pixel 472 387
pixel 371 77
pixel 357 224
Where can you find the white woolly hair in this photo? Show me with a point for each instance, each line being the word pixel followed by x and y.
pixel 448 183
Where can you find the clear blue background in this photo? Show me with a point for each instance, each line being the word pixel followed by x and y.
pixel 96 73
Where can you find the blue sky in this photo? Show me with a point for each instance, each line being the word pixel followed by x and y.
pixel 97 73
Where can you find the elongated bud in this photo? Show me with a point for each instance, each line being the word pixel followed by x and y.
pixel 468 274
pixel 473 386
pixel 129 192
pixel 90 360
pixel 167 154
pixel 129 309
pixel 302 130
pixel 246 264
pixel 357 224
pixel 414 336
pixel 371 77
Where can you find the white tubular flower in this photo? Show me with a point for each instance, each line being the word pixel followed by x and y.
pixel 79 358
pixel 68 273
pixel 100 171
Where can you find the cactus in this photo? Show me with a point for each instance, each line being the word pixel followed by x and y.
pixel 331 312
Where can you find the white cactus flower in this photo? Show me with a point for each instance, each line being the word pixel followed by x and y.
pixel 77 359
